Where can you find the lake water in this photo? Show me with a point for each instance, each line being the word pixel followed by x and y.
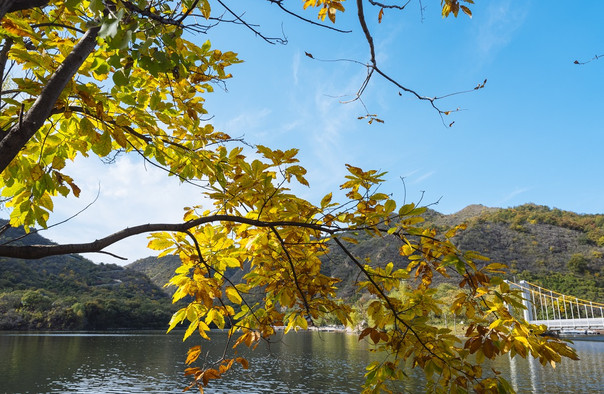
pixel 303 362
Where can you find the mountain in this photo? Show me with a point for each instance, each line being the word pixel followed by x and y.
pixel 158 270
pixel 560 250
pixel 71 292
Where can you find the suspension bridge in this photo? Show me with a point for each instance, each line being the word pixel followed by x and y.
pixel 560 312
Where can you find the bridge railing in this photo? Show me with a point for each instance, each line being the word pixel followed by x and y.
pixel 544 305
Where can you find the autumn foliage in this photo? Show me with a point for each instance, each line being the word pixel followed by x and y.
pixel 100 77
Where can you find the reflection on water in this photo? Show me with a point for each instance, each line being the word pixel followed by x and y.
pixel 309 362
pixel 584 376
pixel 89 363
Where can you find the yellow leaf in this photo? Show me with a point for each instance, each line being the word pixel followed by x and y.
pixel 183 269
pixel 194 324
pixel 18 27
pixel 177 318
pixel 326 200
pixel 160 243
pixel 231 262
pixel 302 322
pixel 233 295
pixel 46 201
pixel 390 206
pixel 407 250
pixel 496 267
pixel 203 328
pixel 205 9
pixel 481 291
pixel 58 163
pixel 475 256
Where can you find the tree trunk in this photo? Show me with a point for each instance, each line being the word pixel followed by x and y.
pixel 16 138
pixel 7 6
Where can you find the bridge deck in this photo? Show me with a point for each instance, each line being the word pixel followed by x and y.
pixel 570 324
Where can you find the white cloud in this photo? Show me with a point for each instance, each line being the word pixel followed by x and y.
pixel 498 27
pixel 296 66
pixel 510 196
pixel 130 193
pixel 410 174
pixel 247 122
pixel 423 177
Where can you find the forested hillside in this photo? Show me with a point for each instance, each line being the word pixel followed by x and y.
pixel 159 271
pixel 559 250
pixel 71 292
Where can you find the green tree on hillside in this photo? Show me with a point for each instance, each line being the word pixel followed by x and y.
pixel 98 77
pixel 578 264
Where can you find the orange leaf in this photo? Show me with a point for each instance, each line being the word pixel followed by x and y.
pixel 244 363
pixel 193 354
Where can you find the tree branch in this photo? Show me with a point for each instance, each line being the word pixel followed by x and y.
pixel 98 193
pixel 7 6
pixel 39 251
pixel 596 57
pixel 19 134
pixel 8 43
pixel 293 268
pixel 372 66
pixel 382 5
pixel 59 25
pixel 368 37
pixel 395 313
pixel 147 12
pixel 270 40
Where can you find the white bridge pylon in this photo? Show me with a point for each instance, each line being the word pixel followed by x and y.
pixel 559 312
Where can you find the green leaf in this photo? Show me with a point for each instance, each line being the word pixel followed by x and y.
pixel 109 27
pixel 155 100
pixel 389 206
pixel 103 146
pixel 121 39
pixel 96 5
pixel 120 78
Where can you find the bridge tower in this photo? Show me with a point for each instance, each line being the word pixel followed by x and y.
pixel 526 301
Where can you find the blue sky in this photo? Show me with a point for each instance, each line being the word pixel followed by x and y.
pixel 533 134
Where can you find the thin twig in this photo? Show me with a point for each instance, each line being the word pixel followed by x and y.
pixel 270 40
pixel 279 4
pixel 293 268
pixel 35 231
pixel 596 57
